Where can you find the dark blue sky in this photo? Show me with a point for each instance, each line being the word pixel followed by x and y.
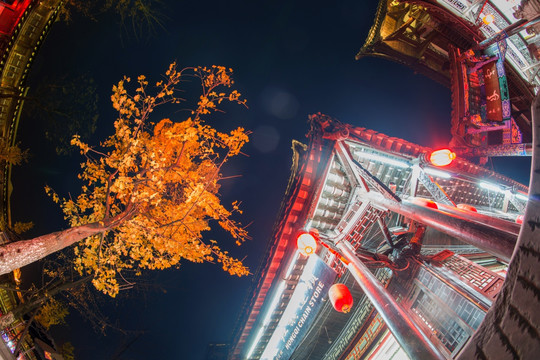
pixel 291 59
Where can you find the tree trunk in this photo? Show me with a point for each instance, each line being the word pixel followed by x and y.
pixel 20 253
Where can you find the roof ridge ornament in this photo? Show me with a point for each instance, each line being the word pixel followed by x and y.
pixel 330 128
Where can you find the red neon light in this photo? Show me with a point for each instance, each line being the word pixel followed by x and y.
pixel 467 207
pixel 425 202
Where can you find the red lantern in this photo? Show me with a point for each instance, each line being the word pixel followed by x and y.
pixel 442 157
pixel 341 298
pixel 307 244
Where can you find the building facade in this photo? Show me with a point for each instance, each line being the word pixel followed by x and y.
pixel 24 24
pixel 400 214
pixel 445 243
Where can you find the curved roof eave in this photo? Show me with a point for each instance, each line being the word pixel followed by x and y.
pixel 296 198
pixel 375 31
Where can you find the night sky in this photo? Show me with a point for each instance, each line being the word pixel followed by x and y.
pixel 291 59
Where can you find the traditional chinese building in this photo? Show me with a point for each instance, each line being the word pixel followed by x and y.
pixel 24 24
pixel 486 51
pixel 438 241
pixel 434 257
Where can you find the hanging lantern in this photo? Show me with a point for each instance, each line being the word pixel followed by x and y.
pixel 488 19
pixel 442 157
pixel 341 298
pixel 307 244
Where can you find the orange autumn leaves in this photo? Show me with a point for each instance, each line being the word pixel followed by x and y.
pixel 158 181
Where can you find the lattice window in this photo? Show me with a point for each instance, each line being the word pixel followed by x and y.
pixel 363 225
pixel 4 107
pixel 32 27
pixel 447 330
pixel 485 281
pixel 14 65
pixel 449 316
pixel 476 275
pixel 375 328
pixel 357 319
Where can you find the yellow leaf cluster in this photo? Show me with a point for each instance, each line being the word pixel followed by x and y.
pixel 68 351
pixel 154 185
pixel 22 227
pixel 52 313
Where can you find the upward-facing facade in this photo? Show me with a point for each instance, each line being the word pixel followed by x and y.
pixel 486 52
pixel 438 240
pixel 370 190
pixel 24 24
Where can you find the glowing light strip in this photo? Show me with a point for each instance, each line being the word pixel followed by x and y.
pixel 271 309
pixel 291 266
pixel 384 159
pixel 490 186
pixel 255 342
pixel 308 270
pixel 437 173
pixel 298 297
pixel 522 197
pixel 275 301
